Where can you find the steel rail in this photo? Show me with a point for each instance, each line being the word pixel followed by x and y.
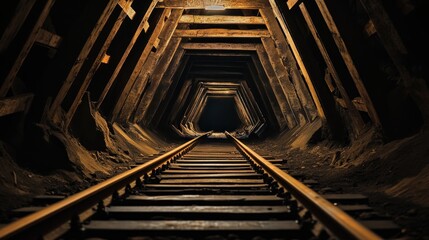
pixel 334 219
pixel 48 219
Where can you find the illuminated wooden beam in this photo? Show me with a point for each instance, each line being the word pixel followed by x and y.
pixel 202 4
pixel 220 46
pixel 221 33
pixel 220 19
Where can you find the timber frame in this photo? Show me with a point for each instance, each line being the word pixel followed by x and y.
pixel 131 55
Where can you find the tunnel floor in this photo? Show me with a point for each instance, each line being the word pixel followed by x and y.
pixel 324 162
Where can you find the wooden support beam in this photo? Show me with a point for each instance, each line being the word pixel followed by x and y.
pixel 102 56
pixel 71 76
pixel 46 38
pixel 220 46
pixel 285 83
pixel 157 77
pixel 18 60
pixel 142 26
pixel 266 93
pixel 355 118
pixel 126 7
pixel 220 19
pixel 150 65
pixel 348 60
pixel 15 104
pixel 290 64
pixel 202 4
pixel 147 116
pixel 276 87
pixel 297 55
pixel 21 12
pixel 138 67
pixel 221 33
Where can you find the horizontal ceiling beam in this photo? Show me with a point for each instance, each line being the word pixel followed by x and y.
pixel 203 4
pixel 220 46
pixel 221 33
pixel 220 19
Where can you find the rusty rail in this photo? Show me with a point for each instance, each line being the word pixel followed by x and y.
pixel 336 221
pixel 83 204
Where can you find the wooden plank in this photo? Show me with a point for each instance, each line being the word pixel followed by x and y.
pixel 215 175
pixel 202 4
pixel 95 65
pixel 218 200
pixel 108 227
pixel 219 46
pixel 26 47
pixel 132 102
pixel 49 39
pixel 348 60
pixel 187 171
pixel 21 12
pixel 355 119
pixel 142 59
pixel 126 7
pixel 297 54
pixel 220 19
pixel 290 64
pixel 212 181
pixel 199 209
pixel 142 26
pixel 71 76
pixel 15 104
pixel 276 87
pixel 221 33
pixel 205 186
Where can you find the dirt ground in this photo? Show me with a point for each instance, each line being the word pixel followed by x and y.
pixel 395 176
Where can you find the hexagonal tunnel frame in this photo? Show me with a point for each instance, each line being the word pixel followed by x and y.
pixel 247 109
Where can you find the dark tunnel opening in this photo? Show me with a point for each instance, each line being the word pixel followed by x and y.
pixel 219 115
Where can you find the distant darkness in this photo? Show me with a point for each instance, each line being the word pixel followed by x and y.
pixel 219 115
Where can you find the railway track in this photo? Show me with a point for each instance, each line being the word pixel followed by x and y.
pixel 200 191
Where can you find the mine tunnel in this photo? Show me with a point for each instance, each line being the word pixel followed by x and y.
pixel 247 95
